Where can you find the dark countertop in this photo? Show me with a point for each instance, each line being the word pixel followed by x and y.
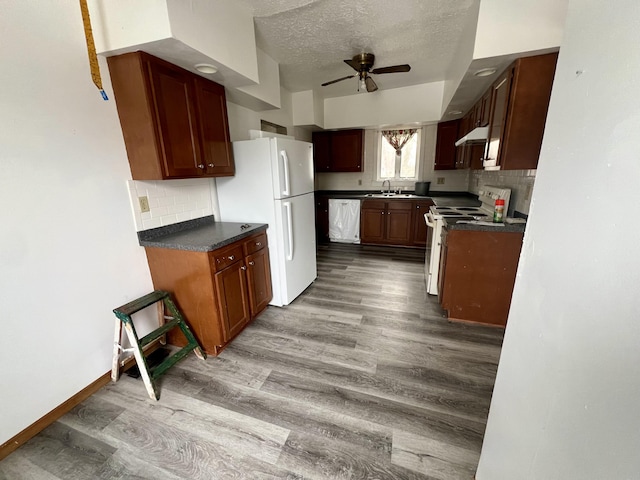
pixel 461 199
pixel 454 224
pixel 199 235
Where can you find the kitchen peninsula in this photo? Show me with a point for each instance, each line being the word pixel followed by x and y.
pixel 218 273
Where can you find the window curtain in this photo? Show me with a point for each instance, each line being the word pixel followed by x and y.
pixel 398 138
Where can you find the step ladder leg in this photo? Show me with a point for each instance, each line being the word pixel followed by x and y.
pixel 191 339
pixel 143 367
pixel 117 348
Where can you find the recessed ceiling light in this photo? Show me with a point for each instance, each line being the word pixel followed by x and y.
pixel 485 72
pixel 206 68
pixel 455 112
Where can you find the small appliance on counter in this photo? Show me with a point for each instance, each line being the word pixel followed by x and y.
pixel 434 219
pixel 422 188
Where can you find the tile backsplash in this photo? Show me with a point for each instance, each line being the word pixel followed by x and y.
pixel 519 181
pixel 170 201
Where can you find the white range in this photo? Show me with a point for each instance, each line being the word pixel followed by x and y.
pixel 434 218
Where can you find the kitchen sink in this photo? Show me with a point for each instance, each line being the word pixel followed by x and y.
pixel 393 195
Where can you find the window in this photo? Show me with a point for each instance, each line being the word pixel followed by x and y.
pixel 392 166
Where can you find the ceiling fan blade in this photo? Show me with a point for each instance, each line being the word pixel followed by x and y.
pixel 336 81
pixel 393 69
pixel 371 85
pixel 352 64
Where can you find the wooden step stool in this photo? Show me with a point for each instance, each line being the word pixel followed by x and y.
pixel 176 320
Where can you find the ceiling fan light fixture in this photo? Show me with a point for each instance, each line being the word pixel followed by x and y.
pixel 485 72
pixel 362 85
pixel 206 68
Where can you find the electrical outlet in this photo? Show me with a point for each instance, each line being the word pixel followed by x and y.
pixel 440 181
pixel 144 204
pixel 359 181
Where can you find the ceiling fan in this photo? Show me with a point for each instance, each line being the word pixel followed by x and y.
pixel 362 64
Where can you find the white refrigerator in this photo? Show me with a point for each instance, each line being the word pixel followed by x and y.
pixel 273 184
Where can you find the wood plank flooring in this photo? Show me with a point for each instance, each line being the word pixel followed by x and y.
pixel 361 377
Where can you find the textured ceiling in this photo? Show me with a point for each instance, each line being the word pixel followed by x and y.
pixel 311 38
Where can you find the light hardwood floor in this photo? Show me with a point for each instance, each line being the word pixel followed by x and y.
pixel 361 377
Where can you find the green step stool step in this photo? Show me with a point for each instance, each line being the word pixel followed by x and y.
pixel 176 320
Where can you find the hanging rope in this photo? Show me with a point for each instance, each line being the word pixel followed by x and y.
pixel 91 49
pixel 398 138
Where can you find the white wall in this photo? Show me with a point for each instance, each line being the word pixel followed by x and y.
pixel 417 103
pixel 565 404
pixel 507 26
pixel 68 248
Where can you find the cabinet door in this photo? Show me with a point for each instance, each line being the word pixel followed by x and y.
pixel 399 215
pixel 231 286
pixel 442 269
pixel 217 155
pixel 259 281
pixel 485 105
pixel 499 108
pixel 321 151
pixel 419 225
pixel 346 151
pixel 322 219
pixel 445 145
pixel 174 105
pixel 372 222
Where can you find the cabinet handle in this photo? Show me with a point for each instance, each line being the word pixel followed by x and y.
pixel 231 257
pixel 201 166
pixel 258 244
pixel 252 263
pixel 243 267
pixel 211 165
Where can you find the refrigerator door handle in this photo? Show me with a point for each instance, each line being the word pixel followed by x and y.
pixel 285 167
pixel 287 206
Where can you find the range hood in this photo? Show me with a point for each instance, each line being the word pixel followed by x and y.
pixel 477 135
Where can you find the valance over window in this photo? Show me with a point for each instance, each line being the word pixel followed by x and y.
pixel 398 138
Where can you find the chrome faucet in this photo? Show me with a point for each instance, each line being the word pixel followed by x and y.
pixel 388 182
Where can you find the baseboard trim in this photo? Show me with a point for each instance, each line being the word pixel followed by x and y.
pixel 36 427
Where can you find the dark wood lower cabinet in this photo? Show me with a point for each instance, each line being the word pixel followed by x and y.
pixel 231 287
pixel 322 218
pixel 218 292
pixel 420 231
pixel 259 280
pixel 477 274
pixel 394 222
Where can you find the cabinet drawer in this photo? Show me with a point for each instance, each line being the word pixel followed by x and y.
pixel 399 205
pixel 373 204
pixel 255 243
pixel 221 259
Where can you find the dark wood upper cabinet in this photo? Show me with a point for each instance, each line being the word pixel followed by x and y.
pixel 445 145
pixel 519 112
pixel 485 108
pixel 527 113
pixel 499 103
pixel 217 154
pixel 174 122
pixel 339 151
pixel 322 151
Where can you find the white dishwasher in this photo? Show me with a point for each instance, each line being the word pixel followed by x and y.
pixel 344 220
